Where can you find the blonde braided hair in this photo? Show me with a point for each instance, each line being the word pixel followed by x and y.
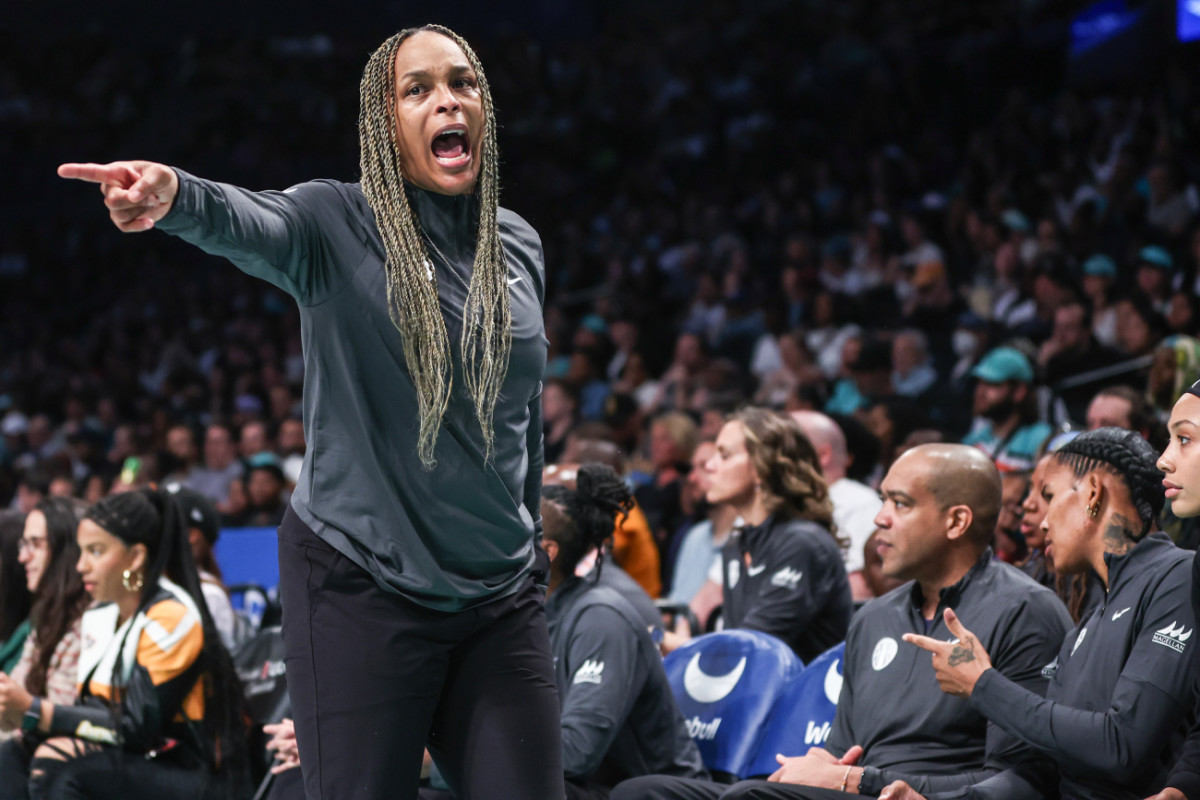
pixel 412 295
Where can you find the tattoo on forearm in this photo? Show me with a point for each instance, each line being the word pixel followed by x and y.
pixel 963 652
pixel 1119 535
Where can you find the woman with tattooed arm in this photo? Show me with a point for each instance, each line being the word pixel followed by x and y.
pixel 1122 684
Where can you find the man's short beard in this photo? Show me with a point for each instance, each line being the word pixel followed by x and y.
pixel 1000 411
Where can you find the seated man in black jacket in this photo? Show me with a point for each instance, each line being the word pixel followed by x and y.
pixel 893 722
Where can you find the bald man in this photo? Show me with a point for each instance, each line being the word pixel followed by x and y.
pixel 940 504
pixel 854 504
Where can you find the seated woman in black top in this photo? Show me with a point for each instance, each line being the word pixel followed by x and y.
pixel 160 707
pixel 782 569
pixel 619 718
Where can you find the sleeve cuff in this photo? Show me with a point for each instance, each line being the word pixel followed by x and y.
pixel 184 205
pixel 988 691
pixel 1187 782
pixel 871 782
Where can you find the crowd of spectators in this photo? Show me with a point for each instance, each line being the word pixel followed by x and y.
pixel 841 207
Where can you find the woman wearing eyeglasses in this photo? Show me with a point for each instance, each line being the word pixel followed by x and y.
pixel 48 667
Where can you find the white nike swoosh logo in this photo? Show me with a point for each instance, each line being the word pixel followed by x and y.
pixel 1118 614
pixel 514 281
pixel 752 571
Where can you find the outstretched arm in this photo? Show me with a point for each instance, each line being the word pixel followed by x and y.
pixel 307 240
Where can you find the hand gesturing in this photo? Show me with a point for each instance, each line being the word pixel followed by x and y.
pixel 958 664
pixel 137 193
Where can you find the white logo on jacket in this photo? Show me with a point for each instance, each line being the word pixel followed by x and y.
pixel 705 688
pixel 589 672
pixel 1118 614
pixel 885 651
pixel 735 572
pixel 787 578
pixel 755 570
pixel 1078 640
pixel 1172 637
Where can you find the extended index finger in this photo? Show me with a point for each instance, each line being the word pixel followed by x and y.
pixel 925 642
pixel 117 174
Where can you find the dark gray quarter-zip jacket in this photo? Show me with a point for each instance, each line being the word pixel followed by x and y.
pixel 448 538
pixel 619 717
pixel 1121 688
pixel 891 703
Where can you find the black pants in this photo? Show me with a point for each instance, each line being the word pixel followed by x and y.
pixel 575 791
pixel 108 774
pixel 661 787
pixel 375 678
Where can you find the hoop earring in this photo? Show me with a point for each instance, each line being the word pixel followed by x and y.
pixel 126 580
pixel 1093 511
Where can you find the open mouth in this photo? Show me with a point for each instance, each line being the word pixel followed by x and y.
pixel 452 147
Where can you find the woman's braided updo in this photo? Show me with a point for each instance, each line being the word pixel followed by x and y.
pixel 412 295
pixel 1124 454
pixel 592 510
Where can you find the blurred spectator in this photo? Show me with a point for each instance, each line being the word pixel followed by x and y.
pixel 912 367
pixel 1073 350
pixel 203 532
pixel 221 467
pixel 683 378
pixel 181 444
pixel 796 369
pixel 15 597
pixel 700 546
pixel 266 500
pixel 891 422
pixel 1010 544
pixel 1176 367
pixel 1123 407
pixel 869 378
pixel 1155 270
pixel 253 439
pixel 1007 428
pixel 673 440
pixel 32 487
pixel 854 505
pixel 1099 281
pixel 560 406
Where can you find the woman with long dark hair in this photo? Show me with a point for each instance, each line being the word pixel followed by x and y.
pixel 1121 686
pixel 49 665
pixel 160 706
pixel 15 597
pixel 782 569
pixel 408 558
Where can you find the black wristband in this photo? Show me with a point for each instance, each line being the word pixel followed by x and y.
pixel 33 716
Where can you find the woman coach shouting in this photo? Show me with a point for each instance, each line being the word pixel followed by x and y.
pixel 407 559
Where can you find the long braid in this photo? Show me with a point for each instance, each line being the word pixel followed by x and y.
pixel 412 292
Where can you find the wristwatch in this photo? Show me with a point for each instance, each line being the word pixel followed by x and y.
pixel 33 716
